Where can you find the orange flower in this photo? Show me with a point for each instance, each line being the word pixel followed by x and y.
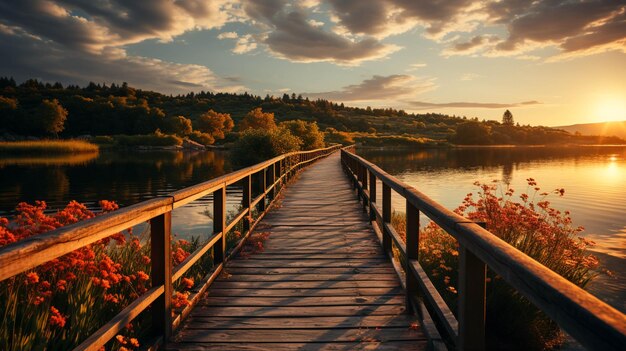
pixel 121 339
pixel 32 278
pixel 56 318
pixel 187 283
pixel 142 276
pixel 134 342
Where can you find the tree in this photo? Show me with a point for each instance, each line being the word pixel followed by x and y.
pixel 178 125
pixel 507 118
pixel 473 133
pixel 50 117
pixel 257 119
pixel 215 124
pixel 307 132
pixel 257 145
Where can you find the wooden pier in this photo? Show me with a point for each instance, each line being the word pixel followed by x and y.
pixel 321 282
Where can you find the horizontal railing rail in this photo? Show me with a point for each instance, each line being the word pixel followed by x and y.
pixel 39 249
pixel 595 324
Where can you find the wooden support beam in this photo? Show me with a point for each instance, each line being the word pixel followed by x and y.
pixel 161 273
pixel 246 199
pixel 219 223
pixel 372 179
pixel 472 300
pixel 386 216
pixel 412 246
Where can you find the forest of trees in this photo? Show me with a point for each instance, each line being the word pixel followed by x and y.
pixel 41 109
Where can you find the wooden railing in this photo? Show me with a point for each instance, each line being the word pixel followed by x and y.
pixel 592 322
pixel 270 175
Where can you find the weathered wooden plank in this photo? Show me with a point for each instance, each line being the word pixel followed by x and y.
pixel 356 263
pixel 322 256
pixel 308 277
pixel 413 345
pixel 399 321
pixel 303 335
pixel 279 311
pixel 225 284
pixel 307 292
pixel 302 301
pixel 324 270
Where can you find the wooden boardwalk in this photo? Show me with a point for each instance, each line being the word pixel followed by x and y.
pixel 322 281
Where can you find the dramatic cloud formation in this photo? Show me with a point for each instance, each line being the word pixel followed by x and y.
pixel 420 105
pixel 576 27
pixel 291 35
pixel 379 88
pixel 64 35
pixel 82 40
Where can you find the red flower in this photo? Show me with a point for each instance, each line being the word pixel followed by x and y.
pixel 32 278
pixel 187 283
pixel 56 319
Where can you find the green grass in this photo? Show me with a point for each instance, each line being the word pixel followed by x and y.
pixel 47 147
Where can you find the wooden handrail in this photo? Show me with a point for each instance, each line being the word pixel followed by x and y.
pixel 48 246
pixel 595 324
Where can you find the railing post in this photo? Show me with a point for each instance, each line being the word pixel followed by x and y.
pixel 246 199
pixel 412 247
pixel 161 273
pixel 262 187
pixel 279 171
pixel 372 196
pixel 386 216
pixel 219 223
pixel 472 300
pixel 364 182
pixel 270 177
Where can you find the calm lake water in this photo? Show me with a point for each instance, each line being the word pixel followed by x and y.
pixel 594 179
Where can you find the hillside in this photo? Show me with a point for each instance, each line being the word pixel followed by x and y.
pixel 120 109
pixel 617 129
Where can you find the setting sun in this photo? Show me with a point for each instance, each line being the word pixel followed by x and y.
pixel 610 108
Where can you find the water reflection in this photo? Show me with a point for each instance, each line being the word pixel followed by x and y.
pixel 594 179
pixel 126 177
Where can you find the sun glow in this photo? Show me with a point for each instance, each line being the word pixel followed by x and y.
pixel 610 108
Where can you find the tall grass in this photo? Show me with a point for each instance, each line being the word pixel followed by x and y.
pixel 47 147
pixel 531 225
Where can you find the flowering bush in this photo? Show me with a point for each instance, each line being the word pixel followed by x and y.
pixel 61 302
pixel 531 225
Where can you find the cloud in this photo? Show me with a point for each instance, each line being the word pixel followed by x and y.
pixel 38 58
pixel 382 18
pixel 291 36
pixel 379 88
pixel 228 35
pixel 576 28
pixel 244 44
pixel 421 105
pixel 77 41
pixel 112 23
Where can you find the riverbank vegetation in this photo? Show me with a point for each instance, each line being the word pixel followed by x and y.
pixel 44 109
pixel 528 222
pixel 46 147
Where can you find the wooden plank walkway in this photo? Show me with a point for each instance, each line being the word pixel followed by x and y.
pixel 322 281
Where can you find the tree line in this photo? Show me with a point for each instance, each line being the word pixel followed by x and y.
pixel 44 109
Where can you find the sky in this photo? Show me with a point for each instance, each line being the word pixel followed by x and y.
pixel 551 62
